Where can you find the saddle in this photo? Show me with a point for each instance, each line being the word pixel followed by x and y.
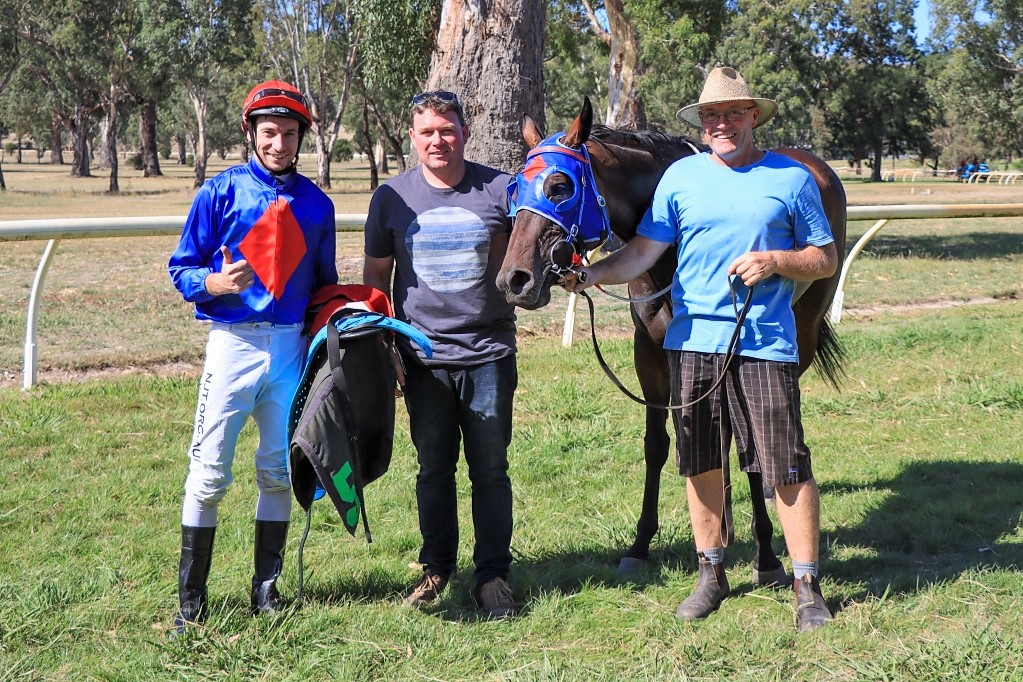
pixel 341 422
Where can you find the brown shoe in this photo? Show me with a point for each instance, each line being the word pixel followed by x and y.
pixel 711 589
pixel 811 609
pixel 426 590
pixel 496 599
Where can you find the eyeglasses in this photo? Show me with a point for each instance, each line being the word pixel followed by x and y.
pixel 277 92
pixel 732 115
pixel 442 96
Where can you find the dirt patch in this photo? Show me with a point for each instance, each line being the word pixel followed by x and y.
pixel 865 313
pixel 10 379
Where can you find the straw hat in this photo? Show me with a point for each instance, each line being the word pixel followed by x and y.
pixel 725 84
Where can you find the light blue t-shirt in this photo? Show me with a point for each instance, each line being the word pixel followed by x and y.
pixel 714 214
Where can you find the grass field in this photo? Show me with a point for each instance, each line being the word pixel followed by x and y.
pixel 918 459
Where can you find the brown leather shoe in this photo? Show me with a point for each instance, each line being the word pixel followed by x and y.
pixel 711 589
pixel 496 599
pixel 426 590
pixel 811 609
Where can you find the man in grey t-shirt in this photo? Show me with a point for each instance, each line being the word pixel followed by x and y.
pixel 441 229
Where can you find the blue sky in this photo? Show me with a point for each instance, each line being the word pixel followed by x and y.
pixel 922 19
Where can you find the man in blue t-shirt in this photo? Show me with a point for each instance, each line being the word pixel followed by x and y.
pixel 741 218
pixel 441 229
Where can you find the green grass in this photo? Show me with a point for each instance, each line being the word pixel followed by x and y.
pixel 918 460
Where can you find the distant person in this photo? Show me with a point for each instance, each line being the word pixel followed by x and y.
pixel 258 241
pixel 442 229
pixel 775 236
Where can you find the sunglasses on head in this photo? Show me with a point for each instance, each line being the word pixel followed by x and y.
pixel 277 92
pixel 442 96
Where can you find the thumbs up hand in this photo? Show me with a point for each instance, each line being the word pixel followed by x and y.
pixel 234 277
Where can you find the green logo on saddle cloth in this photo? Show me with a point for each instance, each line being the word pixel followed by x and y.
pixel 344 482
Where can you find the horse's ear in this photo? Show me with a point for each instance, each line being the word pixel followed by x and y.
pixel 579 131
pixel 530 132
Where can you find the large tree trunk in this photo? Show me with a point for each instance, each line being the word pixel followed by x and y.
pixel 182 153
pixel 624 105
pixel 3 183
pixel 875 171
pixel 374 174
pixel 380 152
pixel 147 139
pixel 322 161
pixel 392 137
pixel 56 145
pixel 80 137
pixel 110 135
pixel 490 52
pixel 199 104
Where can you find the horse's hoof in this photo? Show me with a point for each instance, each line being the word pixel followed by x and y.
pixel 630 566
pixel 776 578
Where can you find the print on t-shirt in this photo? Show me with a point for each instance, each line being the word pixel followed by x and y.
pixel 449 247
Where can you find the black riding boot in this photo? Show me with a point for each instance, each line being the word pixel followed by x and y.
pixel 269 560
pixel 193 570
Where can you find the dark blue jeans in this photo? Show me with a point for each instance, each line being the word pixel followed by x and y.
pixel 445 405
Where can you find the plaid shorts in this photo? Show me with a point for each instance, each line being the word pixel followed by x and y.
pixel 758 403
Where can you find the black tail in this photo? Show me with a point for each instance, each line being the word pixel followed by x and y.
pixel 830 355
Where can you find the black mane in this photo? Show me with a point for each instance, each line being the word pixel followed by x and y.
pixel 659 145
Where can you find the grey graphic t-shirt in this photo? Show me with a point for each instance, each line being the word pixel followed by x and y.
pixel 447 245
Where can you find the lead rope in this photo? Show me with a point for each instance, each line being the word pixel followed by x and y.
pixel 733 345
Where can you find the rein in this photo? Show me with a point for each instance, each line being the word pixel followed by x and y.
pixel 733 345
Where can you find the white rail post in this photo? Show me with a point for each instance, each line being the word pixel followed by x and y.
pixel 569 331
pixel 836 304
pixel 28 379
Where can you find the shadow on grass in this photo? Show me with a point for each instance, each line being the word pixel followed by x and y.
pixel 971 246
pixel 939 520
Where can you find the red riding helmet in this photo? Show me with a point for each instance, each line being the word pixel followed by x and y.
pixel 275 98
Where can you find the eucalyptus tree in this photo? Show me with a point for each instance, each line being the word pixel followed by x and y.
pixel 657 53
pixel 491 54
pixel 10 40
pixel 876 95
pixel 394 61
pixel 60 42
pixel 10 52
pixel 574 64
pixel 982 86
pixel 211 37
pixel 314 44
pixel 781 50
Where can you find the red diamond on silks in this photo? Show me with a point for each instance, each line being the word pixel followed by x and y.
pixel 274 247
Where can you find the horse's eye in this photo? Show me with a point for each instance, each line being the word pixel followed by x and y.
pixel 560 189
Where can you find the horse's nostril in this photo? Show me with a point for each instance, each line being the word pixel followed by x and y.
pixel 519 281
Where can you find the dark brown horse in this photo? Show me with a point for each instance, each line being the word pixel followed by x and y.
pixel 627 166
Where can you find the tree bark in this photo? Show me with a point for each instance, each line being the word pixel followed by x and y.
pixel 147 139
pixel 110 133
pixel 80 136
pixel 374 174
pixel 56 145
pixel 624 106
pixel 875 171
pixel 380 152
pixel 199 104
pixel 392 138
pixel 490 52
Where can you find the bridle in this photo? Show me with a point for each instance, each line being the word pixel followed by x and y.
pixel 585 225
pixel 582 217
